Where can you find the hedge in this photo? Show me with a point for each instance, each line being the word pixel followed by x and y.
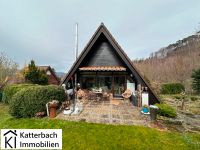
pixel 29 101
pixel 166 110
pixel 172 88
pixel 10 90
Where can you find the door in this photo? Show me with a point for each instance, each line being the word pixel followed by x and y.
pixel 119 85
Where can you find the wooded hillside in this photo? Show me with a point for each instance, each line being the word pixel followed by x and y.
pixel 173 63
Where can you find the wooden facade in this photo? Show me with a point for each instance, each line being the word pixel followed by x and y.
pixel 104 64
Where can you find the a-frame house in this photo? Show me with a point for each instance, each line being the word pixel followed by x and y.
pixel 104 64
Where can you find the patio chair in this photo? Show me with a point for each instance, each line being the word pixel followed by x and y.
pixel 127 94
pixel 91 95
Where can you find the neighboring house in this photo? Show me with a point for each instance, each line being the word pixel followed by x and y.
pixel 103 64
pixel 52 78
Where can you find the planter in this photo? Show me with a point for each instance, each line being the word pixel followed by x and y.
pixel 145 109
pixel 52 106
pixel 153 112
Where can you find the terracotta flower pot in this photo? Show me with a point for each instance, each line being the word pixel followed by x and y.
pixel 52 107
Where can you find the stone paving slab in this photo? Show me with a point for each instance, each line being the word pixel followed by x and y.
pixel 109 113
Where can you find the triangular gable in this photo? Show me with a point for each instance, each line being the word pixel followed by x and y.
pixel 102 53
pixel 103 30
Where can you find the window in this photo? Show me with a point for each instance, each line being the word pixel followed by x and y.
pixel 88 82
pixel 104 82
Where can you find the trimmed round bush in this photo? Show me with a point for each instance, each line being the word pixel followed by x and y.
pixel 166 110
pixel 172 88
pixel 11 90
pixel 29 101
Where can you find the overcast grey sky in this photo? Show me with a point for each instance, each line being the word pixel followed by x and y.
pixel 44 30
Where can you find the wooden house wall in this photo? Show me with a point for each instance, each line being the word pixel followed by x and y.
pixel 52 80
pixel 102 54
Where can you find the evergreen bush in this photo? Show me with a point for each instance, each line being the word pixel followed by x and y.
pixel 1 95
pixel 29 101
pixel 166 110
pixel 196 81
pixel 34 75
pixel 10 90
pixel 172 88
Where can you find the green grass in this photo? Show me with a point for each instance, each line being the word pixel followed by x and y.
pixel 80 135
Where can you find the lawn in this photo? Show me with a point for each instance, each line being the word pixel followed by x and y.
pixel 81 135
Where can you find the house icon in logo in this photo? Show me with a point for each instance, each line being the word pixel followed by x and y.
pixel 10 139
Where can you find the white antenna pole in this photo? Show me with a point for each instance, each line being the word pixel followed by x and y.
pixel 76 56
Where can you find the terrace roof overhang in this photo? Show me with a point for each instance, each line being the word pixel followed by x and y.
pixel 102 68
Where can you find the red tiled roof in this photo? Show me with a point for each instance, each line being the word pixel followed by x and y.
pixel 102 68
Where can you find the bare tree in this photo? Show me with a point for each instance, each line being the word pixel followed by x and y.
pixel 176 67
pixel 7 69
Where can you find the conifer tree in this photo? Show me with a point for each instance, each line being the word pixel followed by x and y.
pixel 34 75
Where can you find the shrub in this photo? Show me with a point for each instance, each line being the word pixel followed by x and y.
pixel 35 75
pixel 29 101
pixel 10 90
pixel 193 98
pixel 172 88
pixel 178 97
pixel 196 80
pixel 166 110
pixel 1 94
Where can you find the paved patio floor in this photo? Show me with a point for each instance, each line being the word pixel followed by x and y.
pixel 109 112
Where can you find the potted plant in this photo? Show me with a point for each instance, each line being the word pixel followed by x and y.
pixel 145 109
